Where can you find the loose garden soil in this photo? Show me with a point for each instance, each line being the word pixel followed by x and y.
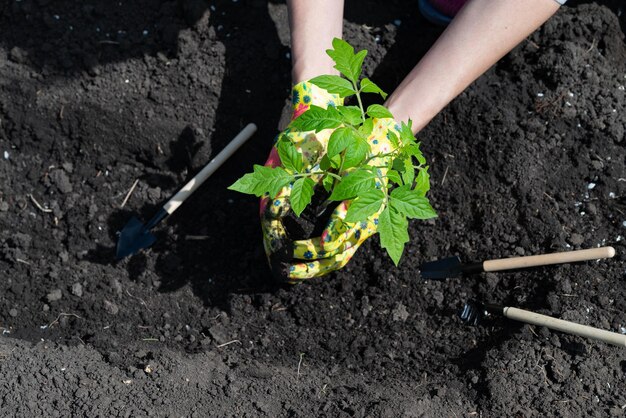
pixel 97 95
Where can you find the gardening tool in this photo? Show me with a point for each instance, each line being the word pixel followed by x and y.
pixel 474 312
pixel 452 267
pixel 136 235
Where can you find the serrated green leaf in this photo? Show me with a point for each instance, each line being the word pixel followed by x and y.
pixel 368 86
pixel 301 193
pixel 262 180
pixel 290 158
pixel 335 162
pixel 342 54
pixel 367 127
pixel 393 138
pixel 422 183
pixel 356 152
pixel 353 184
pixel 334 84
pixel 351 114
pixel 317 118
pixel 339 140
pixel 365 205
pixel 421 159
pixel 398 165
pixel 247 184
pixel 327 163
pixel 408 175
pixel 410 203
pixel 356 64
pixel 412 149
pixel 394 176
pixel 328 182
pixel 392 227
pixel 406 134
pixel 378 111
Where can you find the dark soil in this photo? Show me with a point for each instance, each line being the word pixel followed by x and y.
pixel 96 95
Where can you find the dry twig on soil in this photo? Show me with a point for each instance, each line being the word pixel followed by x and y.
pixel 62 314
pixel 132 188
pixel 228 343
pixel 41 208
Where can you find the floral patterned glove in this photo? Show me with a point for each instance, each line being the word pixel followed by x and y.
pixel 340 239
pixel 278 247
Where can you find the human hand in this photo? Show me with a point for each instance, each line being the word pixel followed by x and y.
pixel 341 238
pixel 278 246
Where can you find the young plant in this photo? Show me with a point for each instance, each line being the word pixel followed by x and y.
pixel 392 184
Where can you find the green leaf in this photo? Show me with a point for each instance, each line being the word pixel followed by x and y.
pixel 290 158
pixel 409 203
pixel 328 182
pixel 346 61
pixel 339 140
pixel 334 84
pixel 317 118
pixel 422 183
pixel 343 55
pixel 301 193
pixel 356 64
pixel 392 227
pixel 408 175
pixel 412 149
pixel 368 86
pixel 365 205
pixel 421 159
pixel 367 127
pixel 406 134
pixel 351 114
pixel 262 180
pixel 356 152
pixel 393 138
pixel 326 163
pixel 394 176
pixel 398 165
pixel 378 111
pixel 353 184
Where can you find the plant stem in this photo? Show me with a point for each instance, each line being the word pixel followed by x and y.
pixel 315 173
pixel 358 97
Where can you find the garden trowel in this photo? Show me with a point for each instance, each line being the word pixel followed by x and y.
pixel 473 313
pixel 136 236
pixel 452 266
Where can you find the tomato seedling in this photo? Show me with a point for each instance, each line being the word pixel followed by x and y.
pixel 392 191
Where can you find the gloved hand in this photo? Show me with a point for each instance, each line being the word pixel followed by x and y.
pixel 340 239
pixel 278 247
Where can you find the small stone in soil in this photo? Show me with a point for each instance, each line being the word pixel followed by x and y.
pixel 54 295
pixel 576 239
pixel 438 296
pixel 400 313
pixel 111 307
pixel 13 312
pixel 77 289
pixel 60 179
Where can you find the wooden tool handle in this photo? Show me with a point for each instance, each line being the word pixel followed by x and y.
pixel 565 326
pixel 209 169
pixel 545 259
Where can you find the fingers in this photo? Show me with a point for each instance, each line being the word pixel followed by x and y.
pixel 316 268
pixel 311 249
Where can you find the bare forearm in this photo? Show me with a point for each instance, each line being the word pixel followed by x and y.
pixel 314 24
pixel 483 32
